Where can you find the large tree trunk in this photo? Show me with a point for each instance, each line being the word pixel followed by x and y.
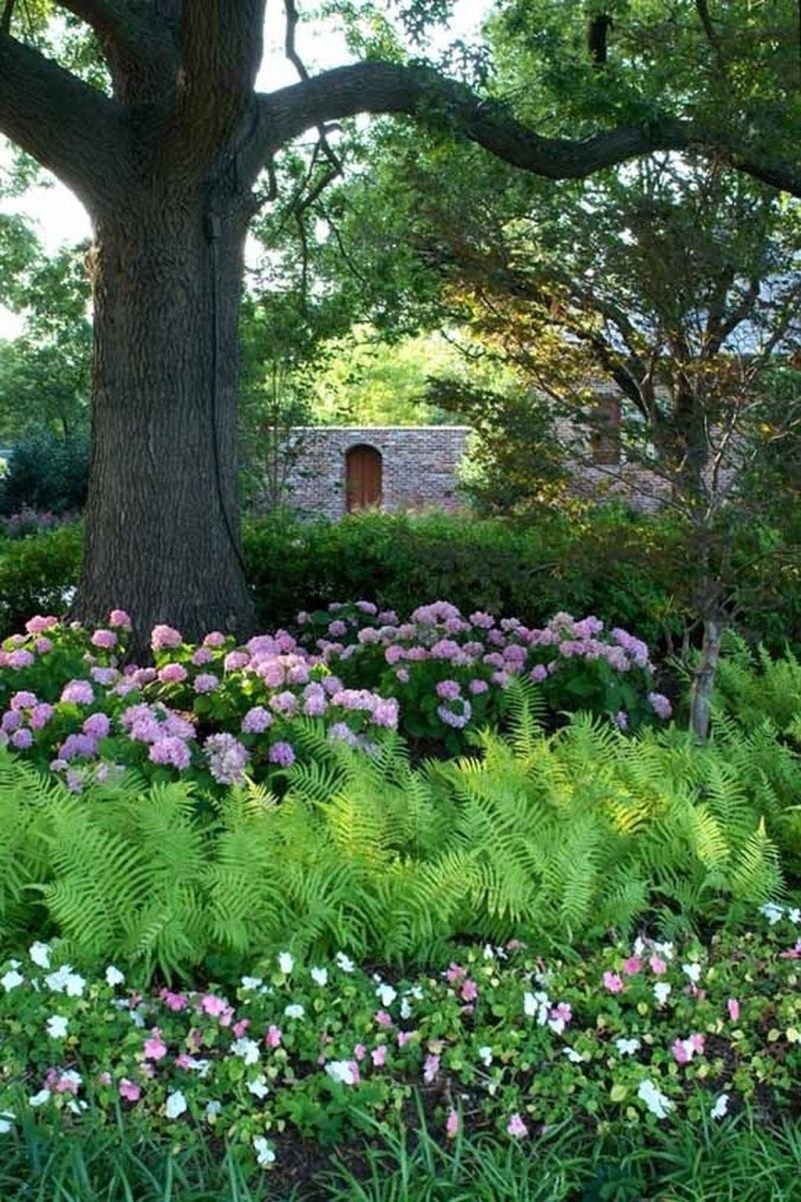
pixel 162 533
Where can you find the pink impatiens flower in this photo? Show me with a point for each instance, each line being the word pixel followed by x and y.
pixel 658 966
pixel 130 1090
pixel 517 1127
pixel 430 1068
pixel 733 1007
pixel 211 1004
pixel 155 1047
pixel 613 982
pixel 452 1124
pixel 469 991
pixel 632 965
pixel 379 1055
pixel 273 1037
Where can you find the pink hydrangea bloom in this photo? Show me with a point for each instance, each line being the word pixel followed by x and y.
pixel 256 720
pixel 37 624
pixel 104 638
pixel 120 619
pixel 23 700
pixel 214 639
pixel 206 682
pixel 78 691
pixel 163 637
pixel 172 674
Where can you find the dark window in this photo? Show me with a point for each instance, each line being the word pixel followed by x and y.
pixel 605 436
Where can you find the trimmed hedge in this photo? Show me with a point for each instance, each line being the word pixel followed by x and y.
pixel 629 570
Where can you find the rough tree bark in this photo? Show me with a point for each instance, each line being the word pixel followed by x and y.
pixel 165 167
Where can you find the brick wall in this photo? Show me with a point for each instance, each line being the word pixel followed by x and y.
pixel 419 466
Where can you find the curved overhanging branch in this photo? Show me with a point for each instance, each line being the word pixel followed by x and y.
pixel 375 87
pixel 66 125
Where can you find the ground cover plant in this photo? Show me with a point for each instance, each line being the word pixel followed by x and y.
pixel 637 1035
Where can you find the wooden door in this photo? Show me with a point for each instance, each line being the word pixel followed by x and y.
pixel 363 477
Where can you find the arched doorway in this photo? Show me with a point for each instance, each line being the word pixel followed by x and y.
pixel 362 477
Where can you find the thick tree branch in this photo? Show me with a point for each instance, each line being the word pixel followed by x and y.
pixel 375 87
pixel 139 43
pixel 108 18
pixel 67 126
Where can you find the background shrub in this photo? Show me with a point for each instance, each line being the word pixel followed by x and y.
pixel 46 473
pixel 37 575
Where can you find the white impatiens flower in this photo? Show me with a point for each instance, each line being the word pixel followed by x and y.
pixel 661 991
pixel 627 1047
pixel 693 971
pixel 114 976
pixel 794 915
pixel 6 1122
pixel 664 949
pixel 252 983
pixel 294 1010
pixel 57 1026
pixel 259 1088
pixel 345 962
pixel 387 994
pixel 39 1098
pixel 64 980
pixel 654 1099
pixel 341 1071
pixel 485 1055
pixel 247 1050
pixel 573 1056
pixel 286 962
pixel 175 1104
pixel 75 985
pixel 772 911
pixel 405 1008
pixel 537 1005
pixel 319 976
pixel 264 1153
pixel 11 980
pixel 213 1108
pixel 40 954
pixel 720 1108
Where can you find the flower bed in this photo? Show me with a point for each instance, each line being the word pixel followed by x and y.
pixel 216 711
pixel 644 1033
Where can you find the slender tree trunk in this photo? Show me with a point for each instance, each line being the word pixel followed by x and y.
pixel 704 681
pixel 162 531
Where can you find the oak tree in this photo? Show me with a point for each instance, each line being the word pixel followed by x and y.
pixel 164 146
